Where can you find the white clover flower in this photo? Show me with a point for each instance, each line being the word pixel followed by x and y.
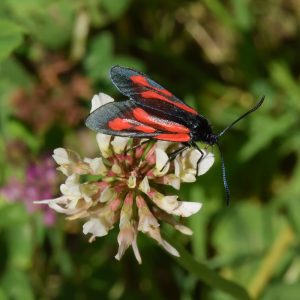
pixel 99 100
pixel 126 185
pixel 95 227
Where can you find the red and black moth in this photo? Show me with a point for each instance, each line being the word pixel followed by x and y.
pixel 153 112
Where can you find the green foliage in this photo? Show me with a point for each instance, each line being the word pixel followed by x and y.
pixel 101 57
pixel 11 37
pixel 19 131
pixel 115 8
pixel 16 285
pixel 221 57
pixel 282 291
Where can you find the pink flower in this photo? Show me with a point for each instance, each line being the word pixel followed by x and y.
pixel 39 182
pixel 123 191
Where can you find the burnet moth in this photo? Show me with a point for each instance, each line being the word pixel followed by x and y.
pixel 153 112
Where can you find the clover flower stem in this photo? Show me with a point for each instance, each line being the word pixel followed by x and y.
pixel 110 179
pixel 147 149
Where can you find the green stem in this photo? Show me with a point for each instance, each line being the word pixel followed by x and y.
pixel 147 149
pixel 80 34
pixel 206 275
pixel 220 11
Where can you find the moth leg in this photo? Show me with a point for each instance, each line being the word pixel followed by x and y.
pixel 138 145
pixel 173 155
pixel 201 153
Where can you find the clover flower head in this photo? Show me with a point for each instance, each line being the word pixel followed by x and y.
pixel 126 188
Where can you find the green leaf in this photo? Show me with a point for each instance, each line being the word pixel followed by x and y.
pixel 2 294
pixel 62 256
pixel 243 16
pixel 282 291
pixel 282 76
pixel 49 22
pixel 271 261
pixel 241 239
pixel 17 130
pixel 241 230
pixel 293 208
pixel 12 214
pixel 128 61
pixel 8 28
pixel 13 75
pixel 206 275
pixel 220 11
pixel 265 129
pixel 290 194
pixel 115 8
pixel 11 36
pixel 20 245
pixel 99 58
pixel 54 29
pixel 26 8
pixel 16 284
pixel 39 228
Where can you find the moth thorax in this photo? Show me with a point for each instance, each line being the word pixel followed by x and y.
pixel 211 139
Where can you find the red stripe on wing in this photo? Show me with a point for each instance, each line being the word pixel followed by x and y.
pixel 180 137
pixel 142 81
pixel 154 95
pixel 119 124
pixel 144 128
pixel 145 118
pixel 139 80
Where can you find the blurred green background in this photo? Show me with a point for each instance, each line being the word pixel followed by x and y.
pixel 220 57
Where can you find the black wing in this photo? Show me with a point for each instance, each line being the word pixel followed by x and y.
pixel 130 119
pixel 141 88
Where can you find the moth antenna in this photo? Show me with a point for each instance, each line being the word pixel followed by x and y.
pixel 254 108
pixel 226 187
